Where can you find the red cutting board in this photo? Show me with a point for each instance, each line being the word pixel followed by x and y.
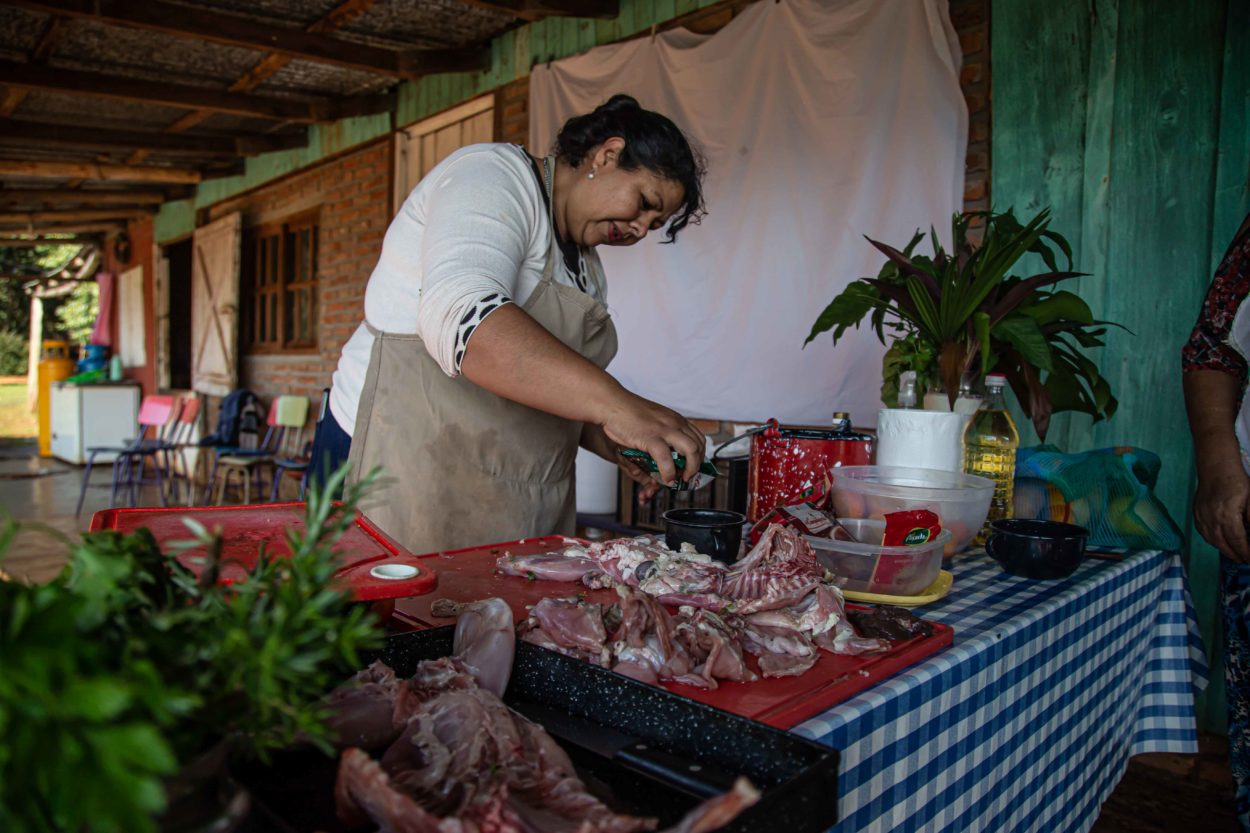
pixel 363 549
pixel 468 575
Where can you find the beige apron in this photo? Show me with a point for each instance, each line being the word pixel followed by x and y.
pixel 462 466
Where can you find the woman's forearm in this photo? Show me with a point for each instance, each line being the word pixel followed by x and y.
pixel 1211 402
pixel 512 355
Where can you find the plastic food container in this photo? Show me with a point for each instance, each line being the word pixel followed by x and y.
pixel 873 568
pixel 961 501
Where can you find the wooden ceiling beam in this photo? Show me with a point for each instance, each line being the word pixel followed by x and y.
pixel 235 30
pixel 537 9
pixel 12 97
pixel 56 228
pixel 41 196
pixel 74 82
pixel 98 173
pixel 48 39
pixel 34 218
pixel 30 242
pixel 38 134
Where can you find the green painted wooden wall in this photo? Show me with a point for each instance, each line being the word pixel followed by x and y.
pixel 512 56
pixel 1131 120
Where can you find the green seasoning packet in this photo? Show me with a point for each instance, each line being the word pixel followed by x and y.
pixel 706 474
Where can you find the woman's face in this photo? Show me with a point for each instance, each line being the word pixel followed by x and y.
pixel 617 207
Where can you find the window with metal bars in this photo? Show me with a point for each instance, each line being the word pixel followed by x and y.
pixel 280 286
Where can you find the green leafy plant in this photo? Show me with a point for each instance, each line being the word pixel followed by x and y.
pixel 14 353
pixel 961 311
pixel 127 668
pixel 76 315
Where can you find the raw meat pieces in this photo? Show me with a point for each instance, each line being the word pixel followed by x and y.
pixel 456 759
pixel 777 603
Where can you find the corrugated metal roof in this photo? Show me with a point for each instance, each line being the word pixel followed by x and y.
pixel 90 111
pixel 118 50
pixel 292 13
pixel 450 22
pixel 308 78
pixel 111 49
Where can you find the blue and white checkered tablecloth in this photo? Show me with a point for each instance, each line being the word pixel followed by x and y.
pixel 1027 722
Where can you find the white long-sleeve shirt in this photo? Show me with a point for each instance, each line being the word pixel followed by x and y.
pixel 473 235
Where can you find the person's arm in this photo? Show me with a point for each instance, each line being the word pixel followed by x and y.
pixel 1213 373
pixel 593 439
pixel 513 356
pixel 1222 504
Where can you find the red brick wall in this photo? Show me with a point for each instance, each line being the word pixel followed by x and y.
pixel 352 194
pixel 512 113
pixel 972 21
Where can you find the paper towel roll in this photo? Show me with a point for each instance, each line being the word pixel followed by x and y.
pixel 920 439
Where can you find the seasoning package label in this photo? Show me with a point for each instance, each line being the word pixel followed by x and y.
pixel 807 518
pixel 910 528
pixel 705 475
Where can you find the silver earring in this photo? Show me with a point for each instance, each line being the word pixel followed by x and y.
pixel 591 175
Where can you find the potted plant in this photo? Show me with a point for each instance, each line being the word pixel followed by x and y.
pixel 963 311
pixel 128 681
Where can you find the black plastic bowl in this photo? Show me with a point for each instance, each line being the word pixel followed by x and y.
pixel 1037 549
pixel 714 532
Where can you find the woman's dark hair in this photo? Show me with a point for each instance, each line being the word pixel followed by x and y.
pixel 652 141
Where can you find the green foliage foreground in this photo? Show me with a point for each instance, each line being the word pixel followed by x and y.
pixel 127 666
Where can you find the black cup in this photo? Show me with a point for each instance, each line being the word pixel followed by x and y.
pixel 1036 549
pixel 714 532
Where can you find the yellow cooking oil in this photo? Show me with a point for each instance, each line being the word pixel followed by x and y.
pixel 990 443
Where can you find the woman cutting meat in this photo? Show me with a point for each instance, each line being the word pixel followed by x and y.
pixel 479 367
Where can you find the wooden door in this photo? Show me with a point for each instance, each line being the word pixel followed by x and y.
pixel 131 328
pixel 215 306
pixel 421 146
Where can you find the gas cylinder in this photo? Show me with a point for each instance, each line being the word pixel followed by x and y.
pixel 790 462
pixel 54 365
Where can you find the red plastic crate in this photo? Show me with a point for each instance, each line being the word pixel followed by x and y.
pixel 367 552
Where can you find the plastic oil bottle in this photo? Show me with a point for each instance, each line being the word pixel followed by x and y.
pixel 990 443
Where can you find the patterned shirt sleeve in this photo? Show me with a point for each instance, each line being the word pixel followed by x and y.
pixel 1208 347
pixel 476 313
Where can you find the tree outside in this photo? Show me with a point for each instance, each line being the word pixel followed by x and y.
pixel 71 317
pixel 75 316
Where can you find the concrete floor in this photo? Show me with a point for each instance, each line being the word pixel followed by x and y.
pixel 40 494
pixel 1159 794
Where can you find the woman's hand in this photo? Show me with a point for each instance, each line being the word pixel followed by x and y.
pixel 594 439
pixel 513 356
pixel 634 422
pixel 1222 509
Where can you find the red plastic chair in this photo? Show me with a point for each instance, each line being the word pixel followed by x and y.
pixel 154 416
pixel 180 441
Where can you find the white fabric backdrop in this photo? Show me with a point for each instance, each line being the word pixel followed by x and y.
pixel 821 122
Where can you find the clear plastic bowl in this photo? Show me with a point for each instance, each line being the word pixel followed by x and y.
pixel 873 568
pixel 961 501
